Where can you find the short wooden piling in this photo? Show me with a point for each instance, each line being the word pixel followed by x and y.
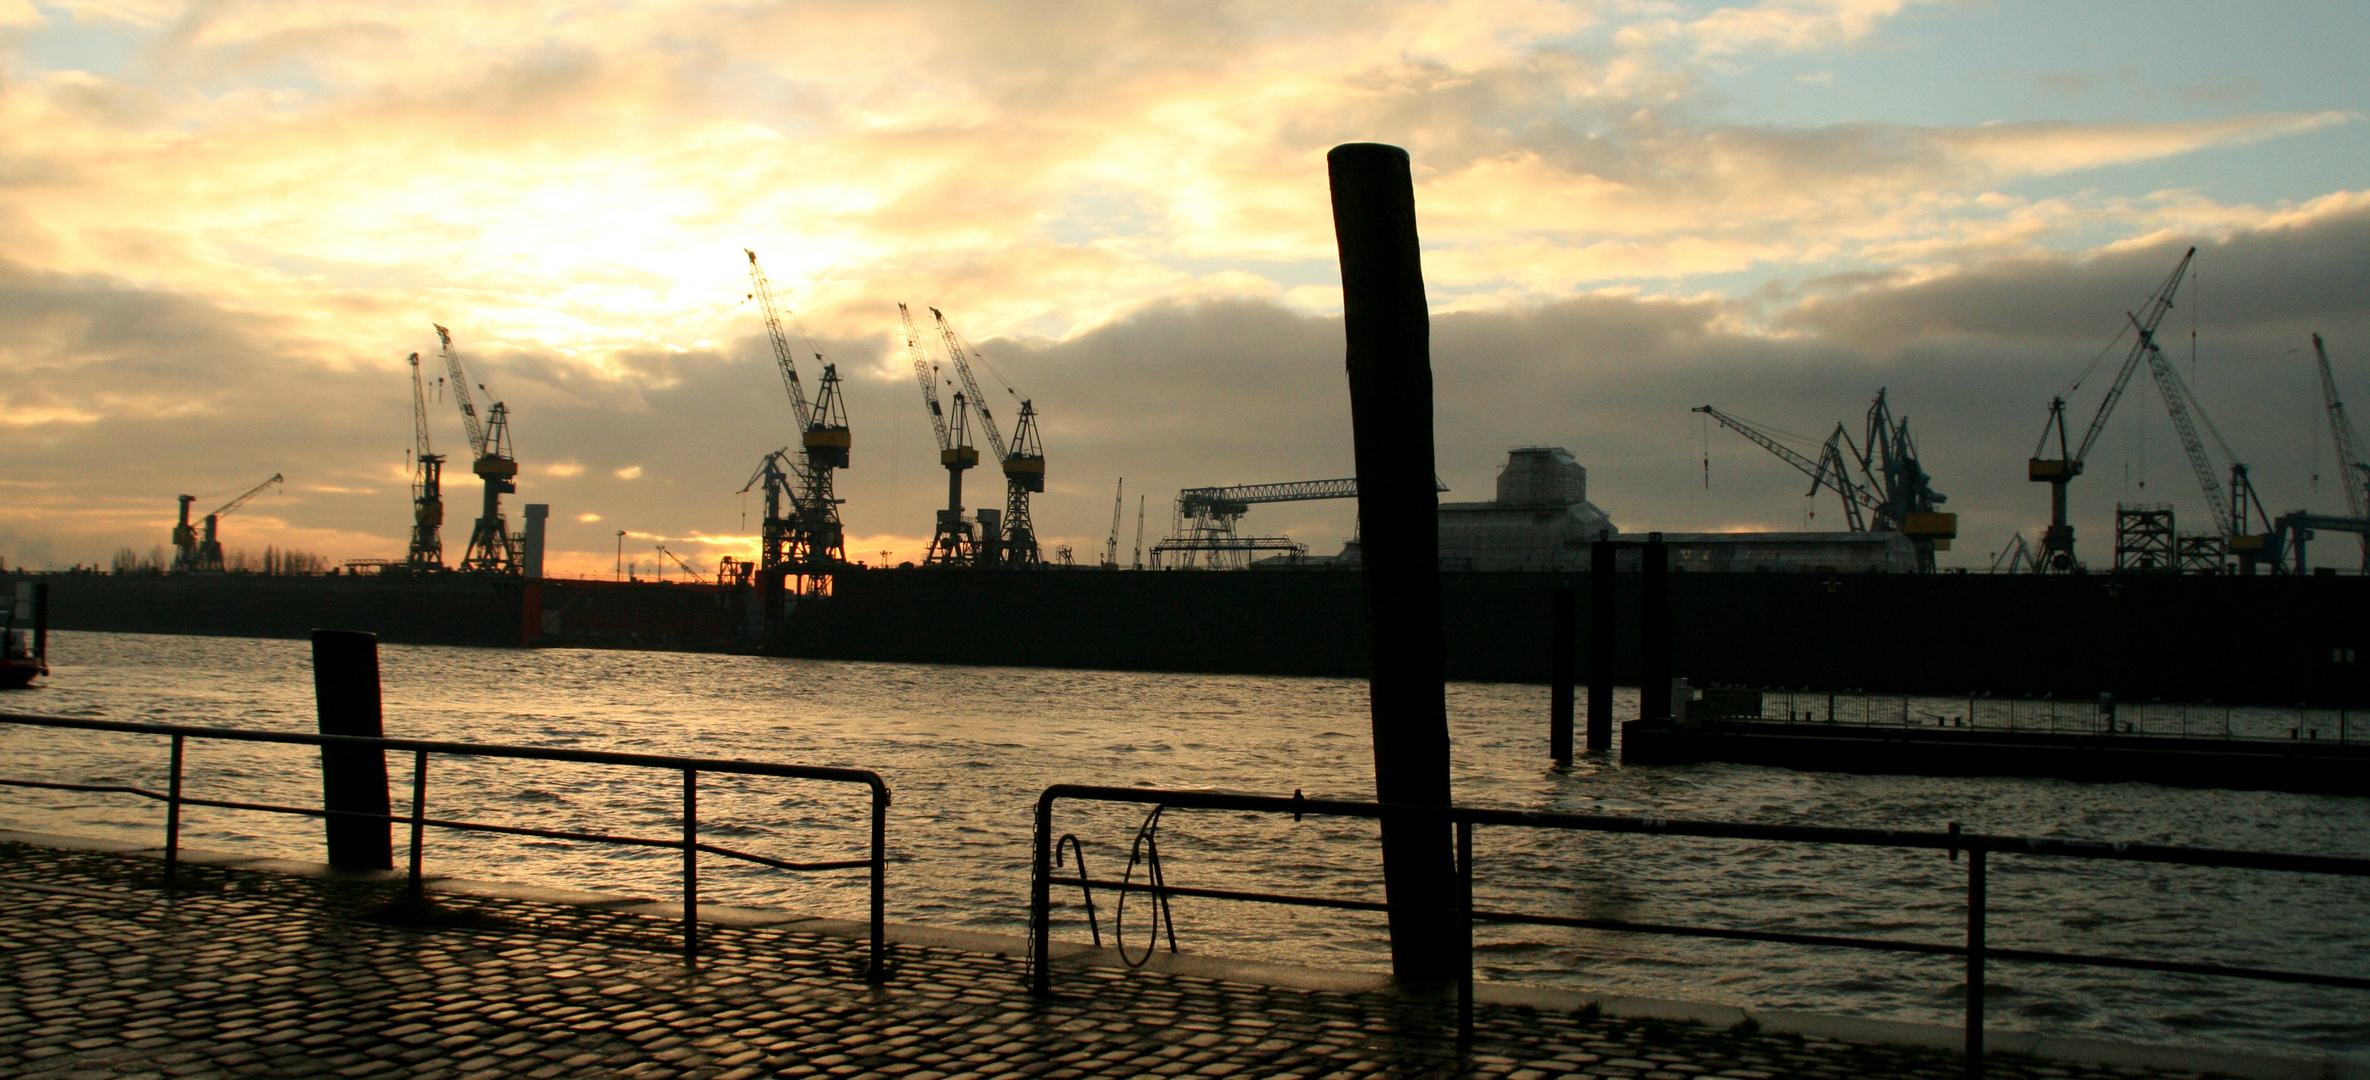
pixel 353 779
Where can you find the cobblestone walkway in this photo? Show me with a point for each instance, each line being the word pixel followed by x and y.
pixel 247 973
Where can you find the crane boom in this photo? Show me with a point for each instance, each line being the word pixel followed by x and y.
pixel 460 379
pixel 2158 304
pixel 419 412
pixel 956 350
pixel 1832 478
pixel 242 500
pixel 2350 465
pixel 927 376
pixel 764 291
pixel 2177 404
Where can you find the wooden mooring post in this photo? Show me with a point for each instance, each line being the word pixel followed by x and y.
pixel 1389 356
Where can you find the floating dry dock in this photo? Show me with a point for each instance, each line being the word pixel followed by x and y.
pixel 2310 765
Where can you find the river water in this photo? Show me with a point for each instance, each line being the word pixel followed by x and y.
pixel 967 750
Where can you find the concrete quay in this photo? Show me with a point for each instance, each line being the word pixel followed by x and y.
pixel 266 968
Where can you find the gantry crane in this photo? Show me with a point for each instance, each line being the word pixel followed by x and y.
pixel 1023 464
pixel 427 487
pixel 1206 518
pixel 196 552
pixel 1892 493
pixel 951 541
pixel 2057 541
pixel 809 543
pixel 492 549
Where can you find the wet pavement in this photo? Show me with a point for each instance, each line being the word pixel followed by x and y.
pixel 247 972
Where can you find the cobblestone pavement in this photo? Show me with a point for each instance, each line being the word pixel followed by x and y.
pixel 247 973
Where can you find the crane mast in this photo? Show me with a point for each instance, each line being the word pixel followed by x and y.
pixel 2057 541
pixel 492 549
pixel 427 489
pixel 1111 544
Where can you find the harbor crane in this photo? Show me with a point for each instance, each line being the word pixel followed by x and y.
pixel 492 549
pixel 2353 473
pixel 688 572
pixel 2057 541
pixel 952 542
pixel 427 486
pixel 810 542
pixel 2244 529
pixel 201 552
pixel 1892 492
pixel 1023 462
pixel 1111 544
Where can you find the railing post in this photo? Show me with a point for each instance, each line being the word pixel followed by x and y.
pixel 879 972
pixel 173 817
pixel 419 818
pixel 1975 905
pixel 690 865
pixel 1041 902
pixel 1465 934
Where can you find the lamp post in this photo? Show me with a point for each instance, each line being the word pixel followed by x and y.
pixel 621 554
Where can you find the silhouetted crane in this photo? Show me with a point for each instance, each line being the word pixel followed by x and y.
pixel 491 547
pixel 2057 541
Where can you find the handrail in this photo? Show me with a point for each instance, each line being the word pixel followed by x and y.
pixel 417 819
pixel 1465 818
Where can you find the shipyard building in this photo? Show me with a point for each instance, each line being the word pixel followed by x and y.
pixel 1541 520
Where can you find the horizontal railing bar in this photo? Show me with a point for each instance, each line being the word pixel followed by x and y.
pixel 1228 894
pixel 2179 967
pixel 1726 933
pixel 460 749
pixel 1938 841
pixel 464 826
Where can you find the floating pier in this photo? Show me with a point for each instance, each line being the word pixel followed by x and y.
pixel 2317 765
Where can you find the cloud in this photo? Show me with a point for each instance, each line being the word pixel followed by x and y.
pixel 219 252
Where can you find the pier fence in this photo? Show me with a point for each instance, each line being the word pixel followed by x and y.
pixel 1974 949
pixel 416 817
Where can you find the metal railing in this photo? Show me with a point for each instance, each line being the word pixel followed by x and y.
pixel 1975 950
pixel 690 844
pixel 2204 720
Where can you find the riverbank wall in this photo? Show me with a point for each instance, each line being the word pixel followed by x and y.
pixel 2243 640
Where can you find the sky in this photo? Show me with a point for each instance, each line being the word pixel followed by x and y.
pixel 225 225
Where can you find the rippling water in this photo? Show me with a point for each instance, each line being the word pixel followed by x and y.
pixel 967 750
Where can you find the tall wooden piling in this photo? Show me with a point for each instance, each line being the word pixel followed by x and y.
pixel 1654 630
pixel 1563 615
pixel 1603 564
pixel 353 779
pixel 1388 330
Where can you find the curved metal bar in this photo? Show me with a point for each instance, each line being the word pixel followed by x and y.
pixel 1085 889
